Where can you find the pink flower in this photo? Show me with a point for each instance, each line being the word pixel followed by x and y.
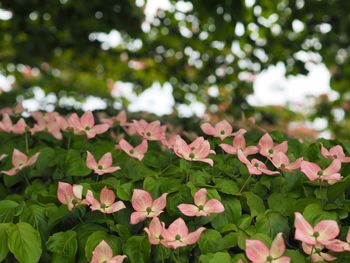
pixel 137 152
pixel 145 207
pixel 221 130
pixel 322 233
pixel 62 123
pixel 86 125
pixel 6 125
pixel 281 161
pixel 152 131
pixel 21 161
pixel 255 166
pixel 202 207
pixel 336 152
pixel 258 252
pixel 103 253
pixel 177 235
pixel 120 119
pixel 46 122
pixel 238 143
pixel 267 147
pixel 154 231
pixel 169 142
pixel 103 166
pixel 107 202
pixel 331 174
pixel 198 150
pixel 339 245
pixel 70 195
pixel 317 254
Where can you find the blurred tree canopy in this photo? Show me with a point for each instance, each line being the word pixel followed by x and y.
pixel 194 45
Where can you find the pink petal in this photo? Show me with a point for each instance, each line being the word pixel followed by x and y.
pixel 193 237
pixel 32 160
pixel 228 148
pixel 125 146
pixel 87 120
pixel 64 192
pixel 107 196
pixel 90 161
pixel 214 206
pixel 337 151
pixel 78 191
pixel 239 142
pixel 295 165
pixel 117 259
pixel 207 129
pixel 256 250
pixel 336 245
pixel 325 153
pixel 282 260
pixel 115 207
pixel 112 169
pixel 303 230
pixel 282 147
pixel 18 158
pixel 188 209
pixel 280 158
pixel 106 160
pixel 310 170
pixel 74 122
pixel 137 217
pixel 333 168
pixel 348 236
pixel 200 197
pixel 250 150
pixel 277 247
pixel 102 252
pixel 10 172
pixel 327 229
pixel 206 160
pixel 142 148
pixel 154 230
pixel 178 227
pixel 160 203
pixel 100 128
pixel 332 179
pixel 265 144
pixel 95 205
pixel 141 200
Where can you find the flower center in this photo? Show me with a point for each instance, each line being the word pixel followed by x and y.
pixel 283 165
pixel 148 210
pixel 335 156
pixel 222 132
pixel 178 238
pixel 103 206
pixel 87 128
pixel 256 165
pixel 200 207
pixel 191 155
pixel 270 151
pixel 148 134
pixel 100 167
pixel 316 234
pixel 131 151
pixel 269 259
pixel 319 173
pixel 75 202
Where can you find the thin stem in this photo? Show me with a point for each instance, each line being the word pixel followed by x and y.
pixel 188 172
pixel 26 178
pixel 69 141
pixel 312 251
pixel 79 217
pixel 246 181
pixel 161 255
pixel 83 144
pixel 26 142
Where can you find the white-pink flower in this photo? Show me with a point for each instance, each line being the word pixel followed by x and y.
pixel 221 130
pixel 103 253
pixel 314 172
pixel 20 161
pixel 104 165
pixel 107 203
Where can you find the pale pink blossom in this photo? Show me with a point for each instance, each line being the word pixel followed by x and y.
pixel 314 172
pixel 145 206
pixel 339 245
pixel 169 142
pixel 267 147
pixel 85 125
pixel 336 152
pixel 103 253
pixel 107 203
pixel 21 161
pixel 258 252
pixel 202 206
pixel 222 129
pixel 177 235
pixel 317 253
pixel 7 125
pixel 70 195
pixel 137 152
pixel 321 233
pixel 281 161
pixel 239 143
pixel 103 166
pixel 154 231
pixel 198 150
pixel 119 119
pixel 255 166
pixel 152 131
pixel 46 122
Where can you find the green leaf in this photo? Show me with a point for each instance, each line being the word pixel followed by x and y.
pixel 3 241
pixel 24 242
pixel 232 213
pixel 219 257
pixel 276 199
pixel 75 164
pixel 7 210
pixel 93 240
pixel 271 223
pixel 226 186
pixel 124 191
pixel 63 246
pixel 138 249
pixel 209 241
pixel 255 204
pixel 314 213
pixel 35 215
pixel 295 256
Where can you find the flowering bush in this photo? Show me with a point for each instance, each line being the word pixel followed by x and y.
pixel 88 189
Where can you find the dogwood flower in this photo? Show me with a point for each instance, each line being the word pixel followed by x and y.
pixel 86 125
pixel 177 235
pixel 104 165
pixel 331 174
pixel 70 195
pixel 103 253
pixel 255 166
pixel 315 251
pixel 281 161
pixel 221 130
pixel 336 152
pixel 152 131
pixel 46 122
pixel 267 147
pixel 198 150
pixel 201 206
pixel 107 202
pixel 137 152
pixel 339 245
pixel 120 119
pixel 321 233
pixel 258 252
pixel 154 231
pixel 6 125
pixel 145 206
pixel 239 143
pixel 20 161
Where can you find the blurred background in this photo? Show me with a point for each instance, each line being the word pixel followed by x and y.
pixel 279 64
